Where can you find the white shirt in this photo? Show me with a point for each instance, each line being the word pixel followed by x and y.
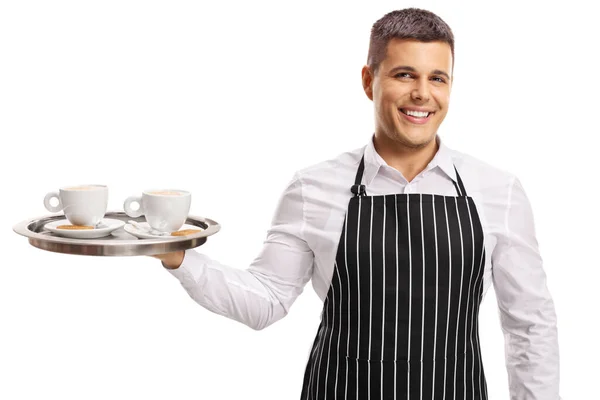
pixel 302 242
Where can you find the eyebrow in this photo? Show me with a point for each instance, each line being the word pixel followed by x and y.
pixel 411 69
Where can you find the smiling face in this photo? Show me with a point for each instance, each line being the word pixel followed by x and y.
pixel 410 91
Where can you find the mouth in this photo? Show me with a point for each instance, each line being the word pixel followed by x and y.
pixel 416 117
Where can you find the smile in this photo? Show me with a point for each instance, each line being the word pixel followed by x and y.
pixel 416 117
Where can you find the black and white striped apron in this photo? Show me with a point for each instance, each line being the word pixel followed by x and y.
pixel 400 320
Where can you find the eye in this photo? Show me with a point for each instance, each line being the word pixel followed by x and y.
pixel 439 79
pixel 403 75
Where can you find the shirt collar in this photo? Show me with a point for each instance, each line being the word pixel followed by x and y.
pixel 442 160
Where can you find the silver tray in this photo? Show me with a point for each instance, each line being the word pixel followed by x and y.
pixel 118 243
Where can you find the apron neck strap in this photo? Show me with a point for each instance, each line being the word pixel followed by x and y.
pixel 460 187
pixel 358 189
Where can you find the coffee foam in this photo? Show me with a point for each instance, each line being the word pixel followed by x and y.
pixel 85 187
pixel 80 188
pixel 166 193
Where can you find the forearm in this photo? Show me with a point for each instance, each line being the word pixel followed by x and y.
pixel 246 296
pixel 532 352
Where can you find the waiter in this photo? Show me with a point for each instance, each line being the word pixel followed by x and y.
pixel 401 238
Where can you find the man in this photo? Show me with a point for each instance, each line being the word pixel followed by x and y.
pixel 401 238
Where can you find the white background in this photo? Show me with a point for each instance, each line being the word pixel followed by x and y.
pixel 227 100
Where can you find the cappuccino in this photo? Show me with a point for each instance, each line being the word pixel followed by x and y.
pixel 83 205
pixel 165 209
pixel 166 193
pixel 85 187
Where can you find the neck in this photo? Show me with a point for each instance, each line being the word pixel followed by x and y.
pixel 410 161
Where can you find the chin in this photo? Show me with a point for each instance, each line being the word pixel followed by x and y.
pixel 416 141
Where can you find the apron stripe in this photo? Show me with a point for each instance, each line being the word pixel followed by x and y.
pixel 358 292
pixel 331 391
pixel 410 268
pixel 447 323
pixel 337 354
pixel 324 378
pixel 381 382
pixel 422 291
pixel 469 252
pixel 319 355
pixel 370 295
pixel 402 300
pixel 321 383
pixel 427 276
pixel 470 301
pixel 379 311
pixel 354 291
pixel 397 291
pixel 312 356
pixel 460 292
pixel 318 347
pixel 435 318
pixel 348 312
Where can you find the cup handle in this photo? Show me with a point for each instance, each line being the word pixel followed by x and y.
pixel 50 207
pixel 127 207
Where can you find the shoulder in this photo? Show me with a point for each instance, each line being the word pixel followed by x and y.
pixel 326 171
pixel 481 176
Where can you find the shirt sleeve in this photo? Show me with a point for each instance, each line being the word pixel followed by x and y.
pixel 264 292
pixel 527 313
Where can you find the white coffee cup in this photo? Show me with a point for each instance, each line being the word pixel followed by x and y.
pixel 82 204
pixel 165 210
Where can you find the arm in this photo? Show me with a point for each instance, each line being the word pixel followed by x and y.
pixel 527 314
pixel 263 293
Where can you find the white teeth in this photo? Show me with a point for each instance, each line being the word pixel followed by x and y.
pixel 418 114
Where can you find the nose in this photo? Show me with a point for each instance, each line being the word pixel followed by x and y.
pixel 420 92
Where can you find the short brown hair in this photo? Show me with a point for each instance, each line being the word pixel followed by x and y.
pixel 409 23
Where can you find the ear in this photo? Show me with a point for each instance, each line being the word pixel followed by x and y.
pixel 367 81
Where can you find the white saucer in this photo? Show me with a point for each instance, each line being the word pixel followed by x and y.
pixel 140 233
pixel 107 226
